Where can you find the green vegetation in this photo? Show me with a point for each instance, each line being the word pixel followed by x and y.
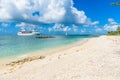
pixel 117 32
pixel 115 3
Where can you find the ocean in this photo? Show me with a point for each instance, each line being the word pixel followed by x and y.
pixel 13 45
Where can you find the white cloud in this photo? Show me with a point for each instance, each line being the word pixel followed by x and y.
pixel 99 29
pixel 26 26
pixel 22 24
pixel 109 27
pixel 112 25
pixel 91 24
pixel 110 20
pixel 95 23
pixel 83 30
pixel 66 28
pixel 4 24
pixel 4 15
pixel 59 27
pixel 75 28
pixel 51 11
pixel 49 29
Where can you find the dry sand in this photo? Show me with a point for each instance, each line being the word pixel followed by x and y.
pixel 97 59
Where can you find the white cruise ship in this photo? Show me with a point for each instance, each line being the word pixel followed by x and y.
pixel 27 33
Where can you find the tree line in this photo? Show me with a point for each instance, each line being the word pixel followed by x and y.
pixel 117 32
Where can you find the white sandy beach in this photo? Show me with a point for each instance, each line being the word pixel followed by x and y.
pixel 97 59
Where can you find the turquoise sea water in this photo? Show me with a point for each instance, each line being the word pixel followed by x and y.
pixel 17 45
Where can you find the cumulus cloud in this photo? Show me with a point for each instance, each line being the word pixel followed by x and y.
pixel 75 28
pixel 111 20
pixel 66 28
pixel 95 23
pixel 63 28
pixel 83 30
pixel 4 24
pixel 99 29
pixel 42 11
pixel 59 27
pixel 112 25
pixel 26 26
pixel 91 24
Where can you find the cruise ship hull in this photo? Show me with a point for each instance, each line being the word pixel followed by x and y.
pixel 27 34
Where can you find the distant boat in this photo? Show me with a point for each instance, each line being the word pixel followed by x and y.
pixel 28 33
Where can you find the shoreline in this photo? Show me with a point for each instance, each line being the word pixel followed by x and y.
pixel 7 65
pixel 97 58
pixel 46 52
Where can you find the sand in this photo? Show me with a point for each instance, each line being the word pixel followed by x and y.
pixel 96 59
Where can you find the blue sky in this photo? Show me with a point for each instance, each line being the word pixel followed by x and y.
pixel 59 17
pixel 99 10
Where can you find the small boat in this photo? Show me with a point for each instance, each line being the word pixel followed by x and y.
pixel 28 33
